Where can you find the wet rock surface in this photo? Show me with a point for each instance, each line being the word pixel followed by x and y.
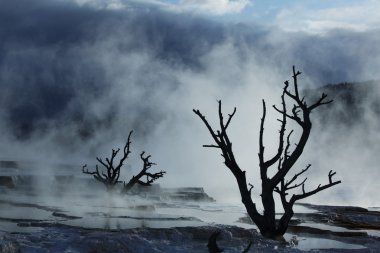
pixel 189 239
pixel 346 216
pixel 70 214
pixel 56 234
pixel 342 223
pixel 185 239
pixel 155 192
pixel 6 181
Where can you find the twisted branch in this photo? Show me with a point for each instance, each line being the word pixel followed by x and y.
pixel 111 177
pixel 150 177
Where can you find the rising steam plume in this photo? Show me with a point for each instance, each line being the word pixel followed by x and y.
pixel 76 79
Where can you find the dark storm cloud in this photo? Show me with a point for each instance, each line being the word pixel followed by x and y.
pixel 74 80
pixel 68 66
pixel 338 55
pixel 47 55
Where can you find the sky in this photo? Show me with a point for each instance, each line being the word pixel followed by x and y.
pixel 77 75
pixel 314 16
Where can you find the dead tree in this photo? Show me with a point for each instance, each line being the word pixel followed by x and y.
pixel 284 159
pixel 110 177
pixel 150 177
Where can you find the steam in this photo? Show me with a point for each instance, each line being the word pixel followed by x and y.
pixel 73 88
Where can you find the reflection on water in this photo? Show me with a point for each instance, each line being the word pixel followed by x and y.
pixel 24 210
pixel 371 232
pixel 103 217
pixel 324 227
pixel 11 227
pixel 307 243
pixel 116 212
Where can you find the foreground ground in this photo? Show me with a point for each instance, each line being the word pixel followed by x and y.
pixel 43 236
pixel 36 219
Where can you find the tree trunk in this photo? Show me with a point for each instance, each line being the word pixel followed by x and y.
pixel 269 210
pixel 285 158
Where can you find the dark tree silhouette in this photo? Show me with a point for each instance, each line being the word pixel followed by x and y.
pixel 110 178
pixel 150 177
pixel 284 158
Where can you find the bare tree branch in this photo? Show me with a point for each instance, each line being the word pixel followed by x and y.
pixel 150 177
pixel 296 185
pixel 111 175
pixel 230 117
pixel 272 161
pixel 261 145
pixel 210 146
pixel 285 157
pixel 223 143
pixel 203 118
pixel 297 175
pixel 320 102
pixel 305 194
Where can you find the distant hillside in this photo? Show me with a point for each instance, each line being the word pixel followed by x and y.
pixel 354 103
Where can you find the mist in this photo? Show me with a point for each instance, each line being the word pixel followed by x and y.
pixel 76 79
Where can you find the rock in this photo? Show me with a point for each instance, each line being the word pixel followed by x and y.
pixel 10 247
pixel 9 164
pixel 188 194
pixel 7 181
pixel 62 215
pixel 155 192
pixel 143 208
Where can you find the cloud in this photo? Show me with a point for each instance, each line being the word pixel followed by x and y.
pixel 105 5
pixel 76 79
pixel 213 7
pixel 204 7
pixel 352 16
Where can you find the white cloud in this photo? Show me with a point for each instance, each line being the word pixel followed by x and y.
pixel 210 7
pixel 101 4
pixel 214 7
pixel 359 17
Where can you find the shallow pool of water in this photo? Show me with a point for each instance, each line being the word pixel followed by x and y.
pixel 307 243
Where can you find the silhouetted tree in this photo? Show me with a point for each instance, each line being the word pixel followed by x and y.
pixel 150 177
pixel 110 177
pixel 284 158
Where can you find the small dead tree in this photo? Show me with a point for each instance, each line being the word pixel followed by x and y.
pixel 284 158
pixel 110 177
pixel 150 177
